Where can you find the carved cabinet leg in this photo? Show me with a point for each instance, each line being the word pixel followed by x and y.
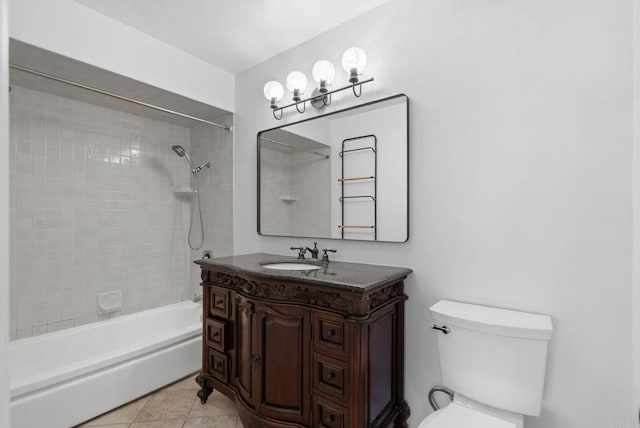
pixel 205 390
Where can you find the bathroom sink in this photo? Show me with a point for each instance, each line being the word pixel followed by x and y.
pixel 291 266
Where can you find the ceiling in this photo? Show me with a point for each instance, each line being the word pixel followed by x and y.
pixel 233 35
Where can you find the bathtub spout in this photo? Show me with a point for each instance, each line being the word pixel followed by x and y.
pixel 197 298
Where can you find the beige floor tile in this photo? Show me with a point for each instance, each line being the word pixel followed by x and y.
pixel 212 422
pixel 122 415
pixel 177 423
pixel 188 382
pixel 216 405
pixel 166 405
pixel 107 426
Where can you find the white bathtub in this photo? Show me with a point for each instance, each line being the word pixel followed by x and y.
pixel 64 378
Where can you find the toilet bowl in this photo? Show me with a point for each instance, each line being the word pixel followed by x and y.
pixel 494 360
pixel 464 413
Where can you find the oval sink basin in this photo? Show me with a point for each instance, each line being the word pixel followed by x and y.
pixel 291 266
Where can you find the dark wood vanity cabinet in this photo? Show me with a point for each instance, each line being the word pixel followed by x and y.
pixel 298 354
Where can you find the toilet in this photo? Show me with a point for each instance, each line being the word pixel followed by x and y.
pixel 494 360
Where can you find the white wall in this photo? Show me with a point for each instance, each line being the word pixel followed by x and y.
pixel 521 171
pixel 76 31
pixel 4 216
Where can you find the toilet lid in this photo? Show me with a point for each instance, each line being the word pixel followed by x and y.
pixel 457 416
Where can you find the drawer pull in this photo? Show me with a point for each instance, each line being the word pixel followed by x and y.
pixel 219 302
pixel 330 375
pixel 329 420
pixel 218 365
pixel 215 334
pixel 331 333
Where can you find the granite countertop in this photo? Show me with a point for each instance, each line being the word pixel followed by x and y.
pixel 356 276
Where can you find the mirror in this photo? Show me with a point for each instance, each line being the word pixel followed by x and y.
pixel 342 175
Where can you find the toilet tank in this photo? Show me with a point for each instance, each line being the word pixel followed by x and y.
pixel 493 356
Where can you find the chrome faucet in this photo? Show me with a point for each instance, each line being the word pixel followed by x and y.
pixel 301 251
pixel 314 251
pixel 325 256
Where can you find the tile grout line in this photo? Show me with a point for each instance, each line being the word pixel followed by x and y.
pixel 190 409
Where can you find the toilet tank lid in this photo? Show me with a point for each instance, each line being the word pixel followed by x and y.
pixel 492 320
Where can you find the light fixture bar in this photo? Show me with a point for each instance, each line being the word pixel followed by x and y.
pixel 321 96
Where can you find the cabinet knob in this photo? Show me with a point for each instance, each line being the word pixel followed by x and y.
pixel 329 420
pixel 255 358
pixel 331 333
pixel 218 365
pixel 330 375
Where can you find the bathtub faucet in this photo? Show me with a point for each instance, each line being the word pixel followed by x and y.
pixel 197 298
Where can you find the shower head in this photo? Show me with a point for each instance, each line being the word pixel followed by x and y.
pixel 180 151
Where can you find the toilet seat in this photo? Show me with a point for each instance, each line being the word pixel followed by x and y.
pixel 456 415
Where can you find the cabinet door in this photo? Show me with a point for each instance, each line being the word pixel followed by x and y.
pixel 281 377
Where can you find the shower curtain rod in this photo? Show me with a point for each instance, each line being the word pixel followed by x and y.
pixel 117 96
pixel 324 155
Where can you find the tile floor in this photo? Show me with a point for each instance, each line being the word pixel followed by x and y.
pixel 174 406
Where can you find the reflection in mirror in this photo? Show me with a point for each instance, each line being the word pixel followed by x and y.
pixel 343 175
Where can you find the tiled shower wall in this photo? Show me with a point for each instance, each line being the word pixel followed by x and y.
pixel 92 209
pixel 304 177
pixel 215 185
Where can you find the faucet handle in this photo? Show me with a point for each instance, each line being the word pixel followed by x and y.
pixel 301 251
pixel 325 256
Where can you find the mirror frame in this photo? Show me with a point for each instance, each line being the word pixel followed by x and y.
pixel 369 103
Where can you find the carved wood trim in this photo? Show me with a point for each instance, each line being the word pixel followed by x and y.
pixel 383 295
pixel 244 306
pixel 347 301
pixel 205 275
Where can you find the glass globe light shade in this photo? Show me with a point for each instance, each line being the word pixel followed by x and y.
pixel 273 89
pixel 296 80
pixel 323 70
pixel 354 57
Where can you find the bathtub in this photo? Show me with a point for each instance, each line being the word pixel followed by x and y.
pixel 64 378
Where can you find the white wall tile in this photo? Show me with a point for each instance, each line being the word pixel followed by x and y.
pixel 92 209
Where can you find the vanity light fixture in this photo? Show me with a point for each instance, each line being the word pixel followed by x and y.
pixel 274 92
pixel 296 84
pixel 323 73
pixel 354 60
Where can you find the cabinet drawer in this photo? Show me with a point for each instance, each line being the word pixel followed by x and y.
pixel 218 365
pixel 331 376
pixel 217 334
pixel 331 334
pixel 329 415
pixel 219 303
